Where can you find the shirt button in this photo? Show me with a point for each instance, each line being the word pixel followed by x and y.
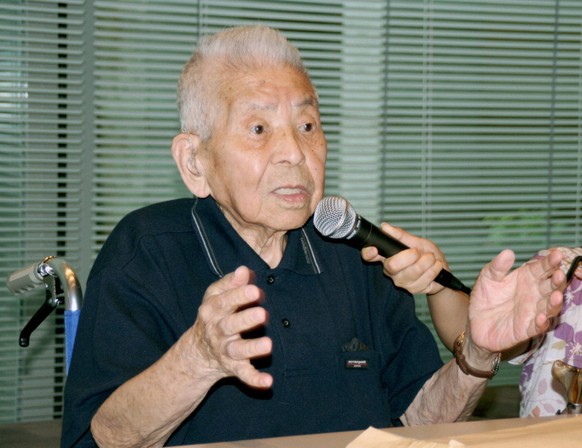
pixel 271 279
pixel 286 323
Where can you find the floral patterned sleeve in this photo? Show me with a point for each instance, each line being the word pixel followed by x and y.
pixel 541 395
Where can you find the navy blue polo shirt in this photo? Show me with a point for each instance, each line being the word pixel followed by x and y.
pixel 348 350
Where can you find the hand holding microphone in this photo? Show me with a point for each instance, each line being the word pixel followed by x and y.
pixel 336 218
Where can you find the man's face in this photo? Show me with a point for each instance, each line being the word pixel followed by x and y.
pixel 265 162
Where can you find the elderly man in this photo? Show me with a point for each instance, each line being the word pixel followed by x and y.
pixel 227 316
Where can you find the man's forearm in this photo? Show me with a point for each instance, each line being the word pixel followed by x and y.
pixel 448 396
pixel 147 409
pixel 451 395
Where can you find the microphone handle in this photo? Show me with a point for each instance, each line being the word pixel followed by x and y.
pixel 367 234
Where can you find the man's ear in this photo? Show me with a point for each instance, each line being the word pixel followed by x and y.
pixel 185 150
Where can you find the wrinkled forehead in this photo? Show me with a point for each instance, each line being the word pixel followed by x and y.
pixel 259 72
pixel 266 87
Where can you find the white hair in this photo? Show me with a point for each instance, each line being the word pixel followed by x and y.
pixel 215 59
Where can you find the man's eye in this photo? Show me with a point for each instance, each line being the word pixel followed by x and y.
pixel 258 129
pixel 307 127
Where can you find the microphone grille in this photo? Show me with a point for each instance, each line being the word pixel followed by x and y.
pixel 334 217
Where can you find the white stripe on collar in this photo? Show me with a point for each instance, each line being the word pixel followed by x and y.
pixel 209 253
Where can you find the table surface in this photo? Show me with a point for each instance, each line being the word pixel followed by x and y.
pixel 341 439
pixel 46 434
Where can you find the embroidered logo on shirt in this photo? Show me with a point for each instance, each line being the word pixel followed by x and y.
pixel 355 345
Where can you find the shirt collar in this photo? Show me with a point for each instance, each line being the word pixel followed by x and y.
pixel 225 250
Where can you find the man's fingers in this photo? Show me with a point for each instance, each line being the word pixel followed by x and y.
pixel 555 282
pixel 240 277
pixel 242 351
pixel 554 305
pixel 251 376
pixel 246 349
pixel 542 323
pixel 498 268
pixel 545 267
pixel 236 298
pixel 244 320
pixel 235 290
pixel 554 259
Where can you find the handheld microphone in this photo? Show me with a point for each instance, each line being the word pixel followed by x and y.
pixel 335 218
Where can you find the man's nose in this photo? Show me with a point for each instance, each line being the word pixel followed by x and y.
pixel 290 148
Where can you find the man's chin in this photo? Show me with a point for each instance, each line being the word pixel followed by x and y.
pixel 291 219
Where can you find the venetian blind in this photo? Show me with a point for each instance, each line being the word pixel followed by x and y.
pixel 41 155
pixel 482 139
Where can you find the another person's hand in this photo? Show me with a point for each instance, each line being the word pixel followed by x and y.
pixel 508 308
pixel 229 309
pixel 413 269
